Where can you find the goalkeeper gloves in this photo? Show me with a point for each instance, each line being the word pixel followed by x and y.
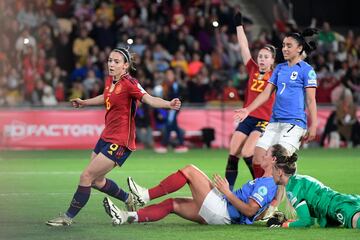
pixel 276 220
pixel 238 20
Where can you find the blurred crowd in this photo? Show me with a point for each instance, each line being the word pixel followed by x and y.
pixel 52 51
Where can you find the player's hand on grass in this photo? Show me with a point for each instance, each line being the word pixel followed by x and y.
pixel 77 102
pixel 175 104
pixel 221 184
pixel 241 114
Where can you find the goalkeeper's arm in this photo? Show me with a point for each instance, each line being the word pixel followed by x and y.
pixel 304 218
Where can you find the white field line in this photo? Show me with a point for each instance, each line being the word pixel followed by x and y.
pixel 69 172
pixel 22 194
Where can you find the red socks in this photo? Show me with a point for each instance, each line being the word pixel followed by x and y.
pixel 156 212
pixel 170 184
pixel 258 171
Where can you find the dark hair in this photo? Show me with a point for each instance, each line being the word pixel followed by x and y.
pixel 283 161
pixel 128 57
pixel 308 47
pixel 271 49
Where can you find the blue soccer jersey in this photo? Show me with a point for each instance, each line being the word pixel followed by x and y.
pixel 262 190
pixel 291 82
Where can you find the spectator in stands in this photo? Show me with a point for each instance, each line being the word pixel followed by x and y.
pixel 174 91
pixel 48 98
pixel 342 124
pixel 82 45
pixel 143 126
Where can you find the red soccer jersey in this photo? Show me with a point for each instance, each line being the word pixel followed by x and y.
pixel 256 84
pixel 121 104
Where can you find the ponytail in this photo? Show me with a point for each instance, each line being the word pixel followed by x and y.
pixel 308 46
pixel 283 161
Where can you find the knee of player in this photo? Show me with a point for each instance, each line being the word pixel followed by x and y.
pixel 246 153
pixel 86 177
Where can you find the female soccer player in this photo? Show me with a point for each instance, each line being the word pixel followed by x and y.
pixel 311 199
pixel 117 141
pixel 248 132
pixel 211 202
pixel 293 81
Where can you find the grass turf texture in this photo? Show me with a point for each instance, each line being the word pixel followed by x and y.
pixel 36 185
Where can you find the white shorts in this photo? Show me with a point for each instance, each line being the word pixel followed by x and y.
pixel 286 134
pixel 214 209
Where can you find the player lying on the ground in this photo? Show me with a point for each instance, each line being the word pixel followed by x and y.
pixel 311 199
pixel 211 202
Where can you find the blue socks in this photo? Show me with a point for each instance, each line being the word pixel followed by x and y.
pixel 112 189
pixel 79 200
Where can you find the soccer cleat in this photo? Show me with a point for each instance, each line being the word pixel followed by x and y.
pixel 131 203
pixel 141 194
pixel 62 220
pixel 160 149
pixel 118 217
pixel 181 149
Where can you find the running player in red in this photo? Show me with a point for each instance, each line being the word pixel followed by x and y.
pixel 248 132
pixel 121 95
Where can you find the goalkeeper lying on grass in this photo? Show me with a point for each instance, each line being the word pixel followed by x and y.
pixel 311 199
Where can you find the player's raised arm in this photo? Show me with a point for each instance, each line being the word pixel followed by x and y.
pixel 79 103
pixel 243 42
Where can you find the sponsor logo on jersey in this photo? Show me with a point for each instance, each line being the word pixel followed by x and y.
pixel 262 190
pixel 294 75
pixel 258 197
pixel 312 81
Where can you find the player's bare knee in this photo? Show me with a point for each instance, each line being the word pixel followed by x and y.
pixel 246 153
pixel 99 182
pixel 189 171
pixel 86 178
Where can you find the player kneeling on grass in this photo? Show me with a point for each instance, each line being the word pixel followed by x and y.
pixel 311 199
pixel 211 202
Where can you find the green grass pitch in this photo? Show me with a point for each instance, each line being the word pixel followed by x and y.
pixel 37 185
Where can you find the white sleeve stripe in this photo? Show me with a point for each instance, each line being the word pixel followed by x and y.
pixel 256 201
pixel 300 204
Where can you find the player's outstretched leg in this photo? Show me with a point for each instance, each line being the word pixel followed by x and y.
pixel 118 216
pixel 140 193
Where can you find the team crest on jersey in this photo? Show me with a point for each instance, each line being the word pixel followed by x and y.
pixel 294 75
pixel 118 88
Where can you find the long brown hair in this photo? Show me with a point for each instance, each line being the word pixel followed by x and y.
pixel 283 160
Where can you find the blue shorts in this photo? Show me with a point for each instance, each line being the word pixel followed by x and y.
pixel 252 124
pixel 114 152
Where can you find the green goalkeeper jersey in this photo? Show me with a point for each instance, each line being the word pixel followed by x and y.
pixel 305 190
